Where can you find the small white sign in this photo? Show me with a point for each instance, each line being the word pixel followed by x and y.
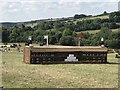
pixel 71 58
pixel 45 36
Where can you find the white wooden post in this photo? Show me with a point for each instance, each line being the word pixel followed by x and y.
pixel 46 37
pixel 79 42
pixel 102 41
pixel 30 40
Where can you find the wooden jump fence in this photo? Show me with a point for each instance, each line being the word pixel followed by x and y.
pixel 65 54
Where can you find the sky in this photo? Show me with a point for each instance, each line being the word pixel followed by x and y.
pixel 27 10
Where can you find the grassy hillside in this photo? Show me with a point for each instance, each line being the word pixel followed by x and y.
pixel 31 24
pixel 60 29
pixel 95 31
pixel 92 18
pixel 73 20
pixel 17 74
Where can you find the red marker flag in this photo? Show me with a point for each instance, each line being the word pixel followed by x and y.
pixel 80 36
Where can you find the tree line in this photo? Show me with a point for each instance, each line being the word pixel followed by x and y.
pixel 65 32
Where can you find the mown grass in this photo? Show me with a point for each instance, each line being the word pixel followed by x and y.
pixel 31 24
pixel 96 31
pixel 17 74
pixel 91 18
pixel 81 19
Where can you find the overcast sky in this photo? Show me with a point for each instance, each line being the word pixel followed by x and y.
pixel 27 10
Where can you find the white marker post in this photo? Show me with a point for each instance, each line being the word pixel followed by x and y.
pixel 80 36
pixel 46 37
pixel 102 40
pixel 79 42
pixel 30 40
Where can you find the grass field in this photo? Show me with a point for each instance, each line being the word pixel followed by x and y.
pixel 81 19
pixel 92 18
pixel 17 74
pixel 96 31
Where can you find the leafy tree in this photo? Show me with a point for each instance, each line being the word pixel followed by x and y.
pixel 39 39
pixel 68 40
pixel 13 37
pixel 74 34
pixel 111 17
pixel 113 25
pixel 87 35
pixel 52 40
pixel 58 35
pixel 95 42
pixel 104 32
pixel 28 28
pixel 45 25
pixel 105 13
pixel 79 16
pixel 51 32
pixel 97 20
pixel 26 35
pixel 114 17
pixel 67 32
pixel 70 26
pixel 113 43
pixel 58 25
pixel 38 35
pixel 5 35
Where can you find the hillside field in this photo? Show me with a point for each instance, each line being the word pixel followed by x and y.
pixel 96 31
pixel 73 20
pixel 16 74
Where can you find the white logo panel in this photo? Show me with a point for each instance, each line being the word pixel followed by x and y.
pixel 71 58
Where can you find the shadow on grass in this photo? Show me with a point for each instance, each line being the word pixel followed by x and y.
pixel 117 63
pixel 54 63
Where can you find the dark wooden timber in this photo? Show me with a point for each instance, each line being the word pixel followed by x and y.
pixel 59 54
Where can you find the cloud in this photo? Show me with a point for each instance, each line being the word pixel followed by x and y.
pixel 22 10
pixel 79 1
pixel 10 7
pixel 30 0
pixel 96 8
